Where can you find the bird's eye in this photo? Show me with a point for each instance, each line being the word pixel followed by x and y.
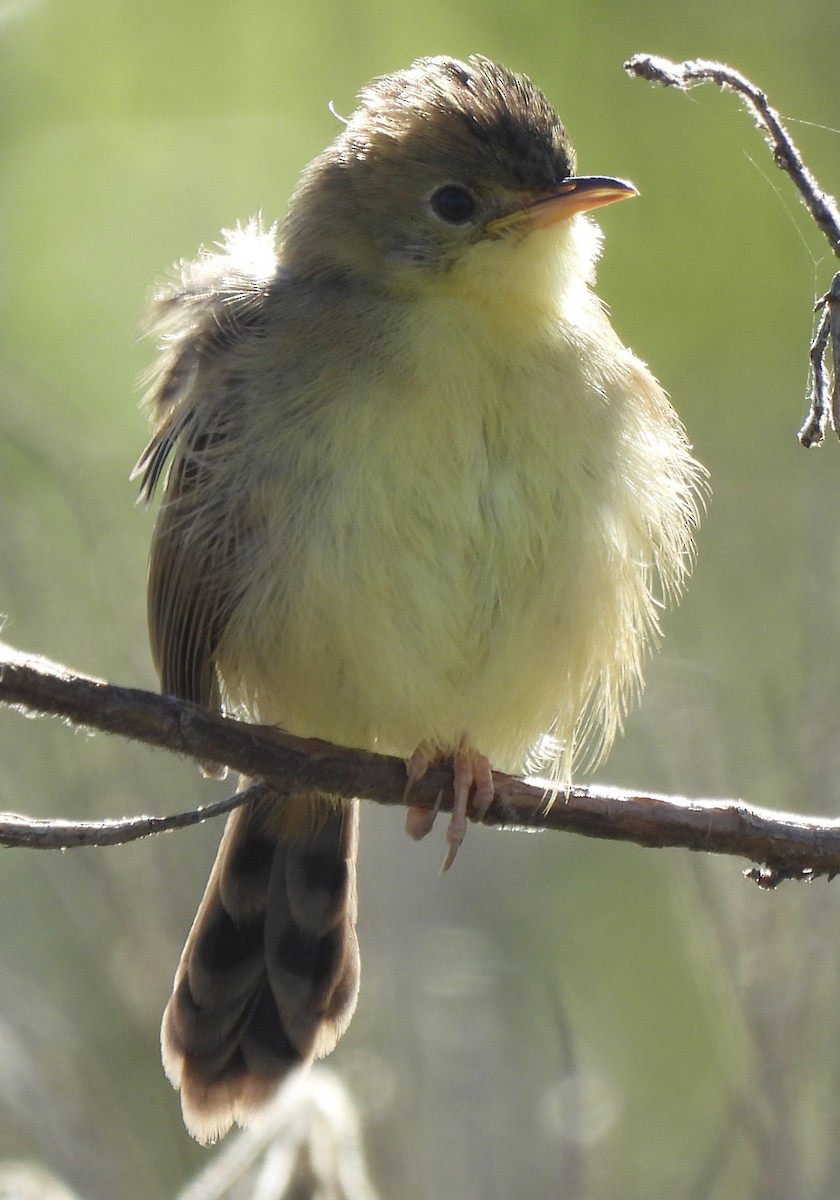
pixel 453 204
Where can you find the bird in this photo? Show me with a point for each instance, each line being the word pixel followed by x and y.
pixel 418 498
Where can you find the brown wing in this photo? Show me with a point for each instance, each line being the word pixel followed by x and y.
pixel 203 317
pixel 191 581
pixel 192 577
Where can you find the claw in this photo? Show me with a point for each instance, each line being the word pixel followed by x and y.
pixel 418 821
pixel 469 768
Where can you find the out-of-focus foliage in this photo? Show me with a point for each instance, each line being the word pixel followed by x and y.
pixel 555 1017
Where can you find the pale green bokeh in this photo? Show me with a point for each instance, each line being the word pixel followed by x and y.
pixel 695 1012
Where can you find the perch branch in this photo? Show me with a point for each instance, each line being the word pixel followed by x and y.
pixel 825 399
pixel 785 845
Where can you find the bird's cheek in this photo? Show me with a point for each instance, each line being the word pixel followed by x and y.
pixel 413 250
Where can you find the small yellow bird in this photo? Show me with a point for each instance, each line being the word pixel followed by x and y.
pixel 421 500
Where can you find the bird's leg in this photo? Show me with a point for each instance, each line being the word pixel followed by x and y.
pixel 468 768
pixel 418 821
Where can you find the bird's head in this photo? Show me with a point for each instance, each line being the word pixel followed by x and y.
pixel 440 178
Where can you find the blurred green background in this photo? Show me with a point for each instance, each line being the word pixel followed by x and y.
pixel 556 1018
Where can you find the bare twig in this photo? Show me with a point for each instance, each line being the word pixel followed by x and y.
pixel 824 406
pixel 830 304
pixel 685 75
pixel 812 431
pixel 821 206
pixel 306 1144
pixel 32 833
pixel 786 846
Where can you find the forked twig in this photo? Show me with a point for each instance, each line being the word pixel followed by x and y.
pixel 825 385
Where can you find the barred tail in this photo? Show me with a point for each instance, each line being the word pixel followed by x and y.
pixel 269 975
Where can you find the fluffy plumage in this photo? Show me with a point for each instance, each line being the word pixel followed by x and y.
pixel 420 496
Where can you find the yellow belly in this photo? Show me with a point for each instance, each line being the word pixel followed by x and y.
pixel 472 560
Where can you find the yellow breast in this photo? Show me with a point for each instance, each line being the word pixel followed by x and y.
pixel 477 552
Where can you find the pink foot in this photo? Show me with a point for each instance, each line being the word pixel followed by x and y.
pixel 469 768
pixel 418 821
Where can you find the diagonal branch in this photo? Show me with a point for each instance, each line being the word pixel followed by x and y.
pixel 786 845
pixel 825 397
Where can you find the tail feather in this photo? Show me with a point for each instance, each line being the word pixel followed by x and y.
pixel 311 949
pixel 269 975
